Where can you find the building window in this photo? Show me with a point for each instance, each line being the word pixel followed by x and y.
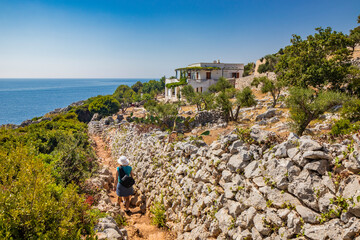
pixel 173 91
pixel 189 75
pixel 197 75
pixel 235 75
pixel 208 75
pixel 201 89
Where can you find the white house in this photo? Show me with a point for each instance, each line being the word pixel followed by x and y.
pixel 202 75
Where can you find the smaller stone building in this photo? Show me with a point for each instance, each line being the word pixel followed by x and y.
pixel 201 76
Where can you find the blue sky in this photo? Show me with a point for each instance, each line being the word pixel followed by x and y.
pixel 149 39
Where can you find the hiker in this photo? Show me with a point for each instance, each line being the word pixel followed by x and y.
pixel 121 190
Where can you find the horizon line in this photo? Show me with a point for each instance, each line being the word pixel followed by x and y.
pixel 76 78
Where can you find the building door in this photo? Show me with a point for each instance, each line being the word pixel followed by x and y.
pixel 235 75
pixel 197 75
pixel 208 75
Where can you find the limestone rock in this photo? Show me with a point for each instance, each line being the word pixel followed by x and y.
pixel 321 166
pixel 260 224
pixel 268 114
pixel 307 214
pixel 224 219
pixel 316 155
pixel 239 161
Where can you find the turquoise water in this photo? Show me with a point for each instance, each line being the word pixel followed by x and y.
pixel 22 99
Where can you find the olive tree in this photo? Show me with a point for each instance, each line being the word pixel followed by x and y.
pixel 267 85
pixel 244 98
pixel 306 105
pixel 203 101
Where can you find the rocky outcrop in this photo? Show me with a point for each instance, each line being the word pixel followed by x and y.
pixel 236 190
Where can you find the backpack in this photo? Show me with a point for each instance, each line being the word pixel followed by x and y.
pixel 126 181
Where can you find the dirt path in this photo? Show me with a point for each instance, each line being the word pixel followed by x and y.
pixel 138 225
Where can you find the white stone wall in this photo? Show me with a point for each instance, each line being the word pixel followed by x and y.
pixel 236 190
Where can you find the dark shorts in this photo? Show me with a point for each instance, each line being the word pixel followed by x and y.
pixel 122 191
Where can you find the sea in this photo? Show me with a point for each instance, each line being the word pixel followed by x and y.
pixel 22 99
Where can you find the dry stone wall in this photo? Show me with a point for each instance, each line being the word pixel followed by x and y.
pixel 236 190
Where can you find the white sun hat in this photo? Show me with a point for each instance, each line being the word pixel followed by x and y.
pixel 123 161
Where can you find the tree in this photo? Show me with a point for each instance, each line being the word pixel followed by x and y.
pixel 104 105
pixel 203 101
pixel 137 86
pixel 244 98
pixel 220 85
pixel 269 65
pixel 318 61
pixel 127 99
pixel 355 35
pixel 120 90
pixel 224 103
pixel 147 97
pixel 162 82
pixel 305 105
pixel 136 97
pixel 153 86
pixel 272 86
pixel 167 112
pixel 249 69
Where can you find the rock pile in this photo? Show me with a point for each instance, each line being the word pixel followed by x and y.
pixel 237 189
pixel 106 228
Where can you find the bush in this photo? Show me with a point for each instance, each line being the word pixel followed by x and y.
pixel 306 106
pixel 158 212
pixel 150 104
pixel 351 110
pixel 32 206
pixel 104 105
pixel 220 85
pixel 244 98
pixel 249 69
pixel 343 127
pixel 120 90
pixel 269 65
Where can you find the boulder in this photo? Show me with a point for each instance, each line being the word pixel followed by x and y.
pixel 309 145
pixel 307 214
pixel 266 115
pixel 235 208
pixel 350 189
pixel 260 135
pixel 239 161
pixel 224 219
pixel 353 163
pixel 259 223
pixel 316 155
pixel 321 166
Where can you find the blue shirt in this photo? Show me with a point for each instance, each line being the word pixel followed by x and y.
pixel 127 170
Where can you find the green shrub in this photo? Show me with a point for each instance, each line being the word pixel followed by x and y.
pixel 104 105
pixel 150 104
pixel 62 143
pixel 158 214
pixel 120 220
pixel 351 110
pixel 343 127
pixel 32 206
pixel 306 106
pixel 220 85
pixel 269 65
pixel 249 69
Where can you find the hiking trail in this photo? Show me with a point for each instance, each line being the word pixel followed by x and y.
pixel 139 225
